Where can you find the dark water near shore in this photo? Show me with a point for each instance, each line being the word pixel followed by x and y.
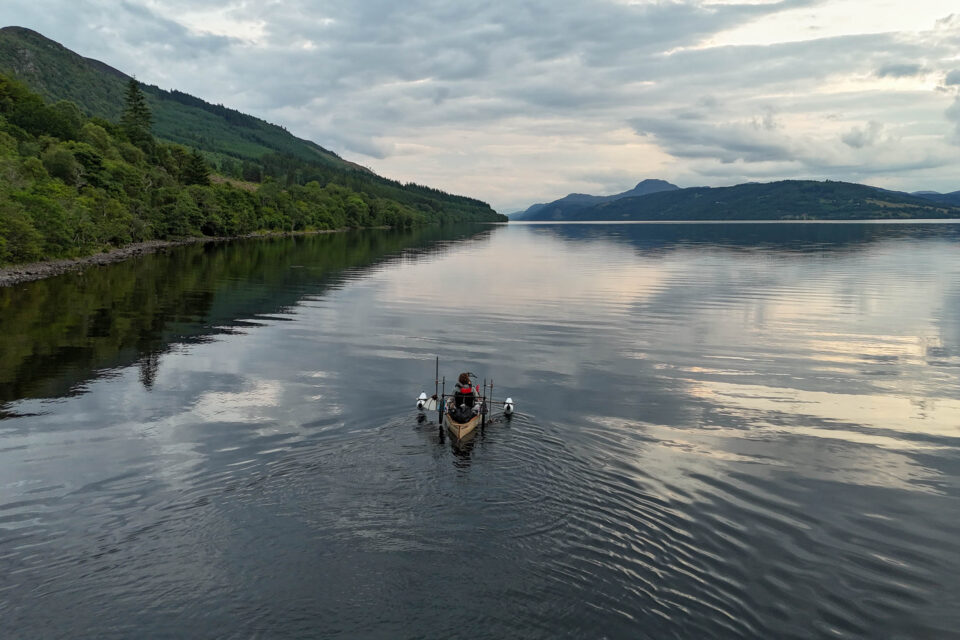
pixel 724 431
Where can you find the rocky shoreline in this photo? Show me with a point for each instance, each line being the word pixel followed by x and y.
pixel 20 273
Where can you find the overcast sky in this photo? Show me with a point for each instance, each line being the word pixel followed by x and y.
pixel 523 101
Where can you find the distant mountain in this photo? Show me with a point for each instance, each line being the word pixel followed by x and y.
pixel 952 198
pixel 568 207
pixel 645 187
pixel 783 200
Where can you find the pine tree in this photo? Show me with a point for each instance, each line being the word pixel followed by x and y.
pixel 196 170
pixel 136 118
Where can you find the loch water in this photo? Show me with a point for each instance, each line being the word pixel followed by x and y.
pixel 723 431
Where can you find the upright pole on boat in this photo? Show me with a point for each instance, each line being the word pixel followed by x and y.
pixel 436 379
pixel 483 408
pixel 441 403
pixel 491 395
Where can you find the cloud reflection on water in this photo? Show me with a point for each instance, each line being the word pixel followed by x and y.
pixel 790 338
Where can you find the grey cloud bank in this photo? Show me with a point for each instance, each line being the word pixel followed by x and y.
pixel 516 102
pixel 905 70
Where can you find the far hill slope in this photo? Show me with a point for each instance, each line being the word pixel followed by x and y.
pixel 569 206
pixel 784 200
pixel 952 198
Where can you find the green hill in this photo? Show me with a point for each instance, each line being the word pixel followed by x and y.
pixel 57 73
pixel 783 200
pixel 237 145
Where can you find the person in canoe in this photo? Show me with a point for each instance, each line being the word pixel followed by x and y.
pixel 464 397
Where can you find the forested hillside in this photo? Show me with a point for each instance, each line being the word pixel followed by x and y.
pixel 72 185
pixel 235 144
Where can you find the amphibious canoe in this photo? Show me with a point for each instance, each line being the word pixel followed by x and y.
pixel 461 412
pixel 461 429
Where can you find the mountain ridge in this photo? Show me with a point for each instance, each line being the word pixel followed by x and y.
pixel 778 200
pixel 952 198
pixel 573 202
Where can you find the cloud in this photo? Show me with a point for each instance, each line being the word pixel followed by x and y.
pixel 747 141
pixel 901 70
pixel 952 78
pixel 775 147
pixel 860 137
pixel 150 29
pixel 951 21
pixel 953 115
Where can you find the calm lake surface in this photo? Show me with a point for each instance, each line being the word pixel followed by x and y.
pixel 723 431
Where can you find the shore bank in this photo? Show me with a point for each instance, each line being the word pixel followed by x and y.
pixel 20 273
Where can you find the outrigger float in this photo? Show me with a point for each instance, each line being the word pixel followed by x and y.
pixel 462 411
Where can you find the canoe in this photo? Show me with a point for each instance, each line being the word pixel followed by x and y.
pixel 461 429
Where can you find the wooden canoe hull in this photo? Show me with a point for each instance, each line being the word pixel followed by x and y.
pixel 461 429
